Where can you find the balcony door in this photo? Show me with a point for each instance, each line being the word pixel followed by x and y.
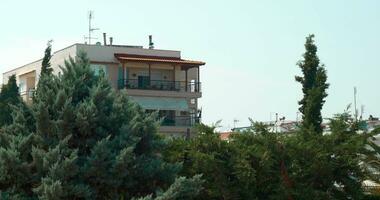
pixel 143 81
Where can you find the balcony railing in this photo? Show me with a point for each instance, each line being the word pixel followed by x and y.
pixel 180 86
pixel 28 93
pixel 180 121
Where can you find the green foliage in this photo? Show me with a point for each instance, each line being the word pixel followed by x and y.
pixel 9 96
pixel 86 141
pixel 182 188
pixel 306 164
pixel 46 66
pixel 314 87
pixel 247 167
pixel 328 166
pixel 259 164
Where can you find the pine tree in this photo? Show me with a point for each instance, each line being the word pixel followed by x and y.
pixel 46 66
pixel 314 87
pixel 9 96
pixel 87 141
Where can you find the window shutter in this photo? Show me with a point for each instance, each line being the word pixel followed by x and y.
pixel 120 77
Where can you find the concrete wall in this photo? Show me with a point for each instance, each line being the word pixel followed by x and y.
pixel 180 75
pixel 57 59
pixel 28 68
pixel 96 54
pixel 113 74
pixel 106 53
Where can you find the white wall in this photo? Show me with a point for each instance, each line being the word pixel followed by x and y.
pixel 106 53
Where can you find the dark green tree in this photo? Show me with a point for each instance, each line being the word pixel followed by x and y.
pixel 305 164
pixel 46 66
pixel 246 167
pixel 314 87
pixel 323 166
pixel 9 96
pixel 87 142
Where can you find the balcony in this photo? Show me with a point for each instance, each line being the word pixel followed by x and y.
pixel 181 121
pixel 27 95
pixel 162 85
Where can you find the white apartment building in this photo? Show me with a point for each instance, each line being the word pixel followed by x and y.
pixel 158 80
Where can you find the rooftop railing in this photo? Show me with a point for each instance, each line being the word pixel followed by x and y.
pixel 180 86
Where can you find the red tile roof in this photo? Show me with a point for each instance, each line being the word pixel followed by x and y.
pixel 225 135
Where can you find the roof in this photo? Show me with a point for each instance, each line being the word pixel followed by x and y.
pixel 225 135
pixel 156 59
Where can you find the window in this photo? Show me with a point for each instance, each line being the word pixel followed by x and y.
pixel 98 69
pixel 22 86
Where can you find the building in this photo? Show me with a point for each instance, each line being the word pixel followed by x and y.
pixel 225 135
pixel 156 79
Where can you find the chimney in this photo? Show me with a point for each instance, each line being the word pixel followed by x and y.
pixel 111 40
pixel 105 39
pixel 151 44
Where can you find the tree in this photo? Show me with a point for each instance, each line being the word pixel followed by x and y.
pixel 46 66
pixel 328 166
pixel 314 87
pixel 87 141
pixel 325 166
pixel 182 188
pixel 305 164
pixel 9 96
pixel 246 167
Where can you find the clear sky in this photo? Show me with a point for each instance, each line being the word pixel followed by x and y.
pixel 251 47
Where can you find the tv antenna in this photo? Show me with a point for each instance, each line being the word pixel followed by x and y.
pixel 235 121
pixel 90 28
pixel 356 110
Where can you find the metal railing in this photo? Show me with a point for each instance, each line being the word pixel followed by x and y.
pixel 180 121
pixel 180 86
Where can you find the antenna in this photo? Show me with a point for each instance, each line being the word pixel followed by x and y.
pixel 235 121
pixel 90 28
pixel 356 110
pixel 361 112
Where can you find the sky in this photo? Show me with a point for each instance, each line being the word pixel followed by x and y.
pixel 250 47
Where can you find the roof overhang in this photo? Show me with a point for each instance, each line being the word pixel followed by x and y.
pixel 157 59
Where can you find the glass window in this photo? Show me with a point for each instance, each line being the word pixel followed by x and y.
pixel 99 69
pixel 22 86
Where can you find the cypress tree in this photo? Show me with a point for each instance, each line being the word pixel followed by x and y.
pixel 314 87
pixel 87 142
pixel 9 96
pixel 46 66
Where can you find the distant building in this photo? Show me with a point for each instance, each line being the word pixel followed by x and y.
pixel 281 126
pixel 288 126
pixel 156 79
pixel 225 135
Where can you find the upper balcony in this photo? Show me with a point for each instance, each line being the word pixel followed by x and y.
pixel 162 85
pixel 157 75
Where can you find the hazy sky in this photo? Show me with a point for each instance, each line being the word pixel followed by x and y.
pixel 251 47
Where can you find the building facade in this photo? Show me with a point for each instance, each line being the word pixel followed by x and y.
pixel 158 80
